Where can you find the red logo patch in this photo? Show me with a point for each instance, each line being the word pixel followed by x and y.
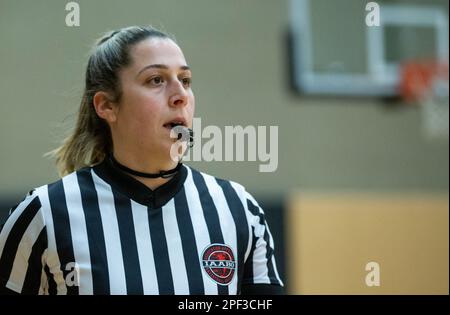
pixel 219 263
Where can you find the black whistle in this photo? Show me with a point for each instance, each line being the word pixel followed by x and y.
pixel 191 136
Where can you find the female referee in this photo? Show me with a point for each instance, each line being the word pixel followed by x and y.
pixel 126 217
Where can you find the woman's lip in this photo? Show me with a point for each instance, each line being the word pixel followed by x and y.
pixel 178 120
pixel 169 127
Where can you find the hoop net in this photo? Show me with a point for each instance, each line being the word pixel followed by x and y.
pixel 426 84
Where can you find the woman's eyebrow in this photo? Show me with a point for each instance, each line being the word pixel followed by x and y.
pixel 160 66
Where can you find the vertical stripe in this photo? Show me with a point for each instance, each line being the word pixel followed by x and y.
pixel 240 220
pixel 200 228
pixel 275 278
pixel 128 243
pixel 175 249
pixel 63 234
pixel 209 209
pixel 260 266
pixel 227 224
pixel 12 233
pixel 23 254
pixel 248 268
pixel 242 194
pixel 32 283
pixel 275 268
pixel 79 233
pixel 161 252
pixel 56 277
pixel 211 217
pixel 95 233
pixel 116 270
pixel 190 250
pixel 18 247
pixel 267 269
pixel 14 216
pixel 144 248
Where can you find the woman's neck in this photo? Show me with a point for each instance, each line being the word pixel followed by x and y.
pixel 146 166
pixel 151 183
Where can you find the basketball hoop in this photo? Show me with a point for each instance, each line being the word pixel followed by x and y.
pixel 426 84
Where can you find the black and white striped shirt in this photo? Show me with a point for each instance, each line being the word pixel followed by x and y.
pixel 100 231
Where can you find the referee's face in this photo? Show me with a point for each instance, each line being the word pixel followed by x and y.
pixel 156 94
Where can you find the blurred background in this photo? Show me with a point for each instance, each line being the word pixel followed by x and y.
pixel 363 128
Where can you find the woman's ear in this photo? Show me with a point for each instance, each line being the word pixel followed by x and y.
pixel 104 107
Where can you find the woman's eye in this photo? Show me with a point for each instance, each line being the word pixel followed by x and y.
pixel 186 81
pixel 156 80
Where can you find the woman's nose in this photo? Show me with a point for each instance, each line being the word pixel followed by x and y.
pixel 179 95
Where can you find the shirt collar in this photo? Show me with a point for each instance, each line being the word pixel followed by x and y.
pixel 136 190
